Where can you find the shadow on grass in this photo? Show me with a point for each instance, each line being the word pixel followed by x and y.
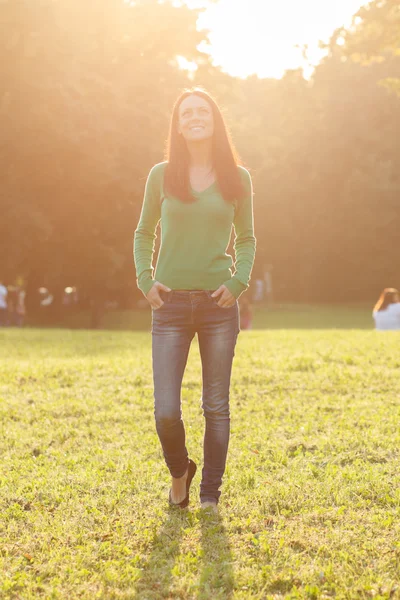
pixel 156 580
pixel 215 559
pixel 217 578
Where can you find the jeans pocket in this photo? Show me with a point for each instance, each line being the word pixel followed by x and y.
pixel 157 309
pixel 165 297
pixel 224 307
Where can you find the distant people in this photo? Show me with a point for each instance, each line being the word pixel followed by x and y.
pixel 12 304
pixel 386 312
pixel 3 305
pixel 45 298
pixel 20 309
pixel 268 284
pixel 258 295
pixel 246 314
pixel 70 297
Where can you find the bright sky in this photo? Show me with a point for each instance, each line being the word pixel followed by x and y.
pixel 260 36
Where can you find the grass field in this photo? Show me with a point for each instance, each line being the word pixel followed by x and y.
pixel 311 500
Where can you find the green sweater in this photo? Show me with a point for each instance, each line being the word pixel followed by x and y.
pixel 194 238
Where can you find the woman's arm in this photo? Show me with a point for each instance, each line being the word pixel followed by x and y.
pixel 145 234
pixel 245 242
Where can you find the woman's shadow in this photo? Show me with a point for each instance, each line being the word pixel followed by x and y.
pixel 157 573
pixel 217 578
pixel 215 559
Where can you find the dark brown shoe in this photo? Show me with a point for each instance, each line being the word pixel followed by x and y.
pixel 192 468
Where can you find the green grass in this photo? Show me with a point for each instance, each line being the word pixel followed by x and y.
pixel 310 503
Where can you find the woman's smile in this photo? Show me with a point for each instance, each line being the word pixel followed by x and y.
pixel 196 121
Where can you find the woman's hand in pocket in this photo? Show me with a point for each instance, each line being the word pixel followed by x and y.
pixel 153 296
pixel 226 298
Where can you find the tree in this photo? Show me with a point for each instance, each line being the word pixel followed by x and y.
pixel 86 94
pixel 375 36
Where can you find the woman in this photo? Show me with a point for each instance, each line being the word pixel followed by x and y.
pixel 198 193
pixel 386 312
pixel 3 304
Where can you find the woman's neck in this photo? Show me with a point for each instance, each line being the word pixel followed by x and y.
pixel 200 154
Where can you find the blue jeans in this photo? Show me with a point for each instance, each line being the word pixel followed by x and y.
pixel 174 325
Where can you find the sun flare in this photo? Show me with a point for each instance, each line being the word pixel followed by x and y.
pixel 266 37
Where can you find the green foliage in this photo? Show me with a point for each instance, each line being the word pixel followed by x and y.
pixel 310 502
pixel 86 91
pixel 375 37
pixel 375 30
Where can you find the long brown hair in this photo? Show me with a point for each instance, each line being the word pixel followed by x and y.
pixel 224 157
pixel 387 297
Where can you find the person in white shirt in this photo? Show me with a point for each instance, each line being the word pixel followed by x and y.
pixel 3 304
pixel 386 312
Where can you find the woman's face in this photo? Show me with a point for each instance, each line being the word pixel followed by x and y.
pixel 195 120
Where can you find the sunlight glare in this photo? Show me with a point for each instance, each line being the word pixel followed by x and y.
pixel 267 37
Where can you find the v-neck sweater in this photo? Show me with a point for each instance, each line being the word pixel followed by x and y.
pixel 194 238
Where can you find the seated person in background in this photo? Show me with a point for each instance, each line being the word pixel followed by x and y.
pixel 3 304
pixel 386 312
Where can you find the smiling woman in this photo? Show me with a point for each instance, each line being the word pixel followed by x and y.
pixel 197 125
pixel 195 119
pixel 198 194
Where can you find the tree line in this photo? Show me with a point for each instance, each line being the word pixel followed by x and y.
pixel 86 91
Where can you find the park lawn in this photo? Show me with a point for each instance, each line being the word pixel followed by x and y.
pixel 311 501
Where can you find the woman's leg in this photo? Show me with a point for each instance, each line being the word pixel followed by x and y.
pixel 172 334
pixel 217 339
